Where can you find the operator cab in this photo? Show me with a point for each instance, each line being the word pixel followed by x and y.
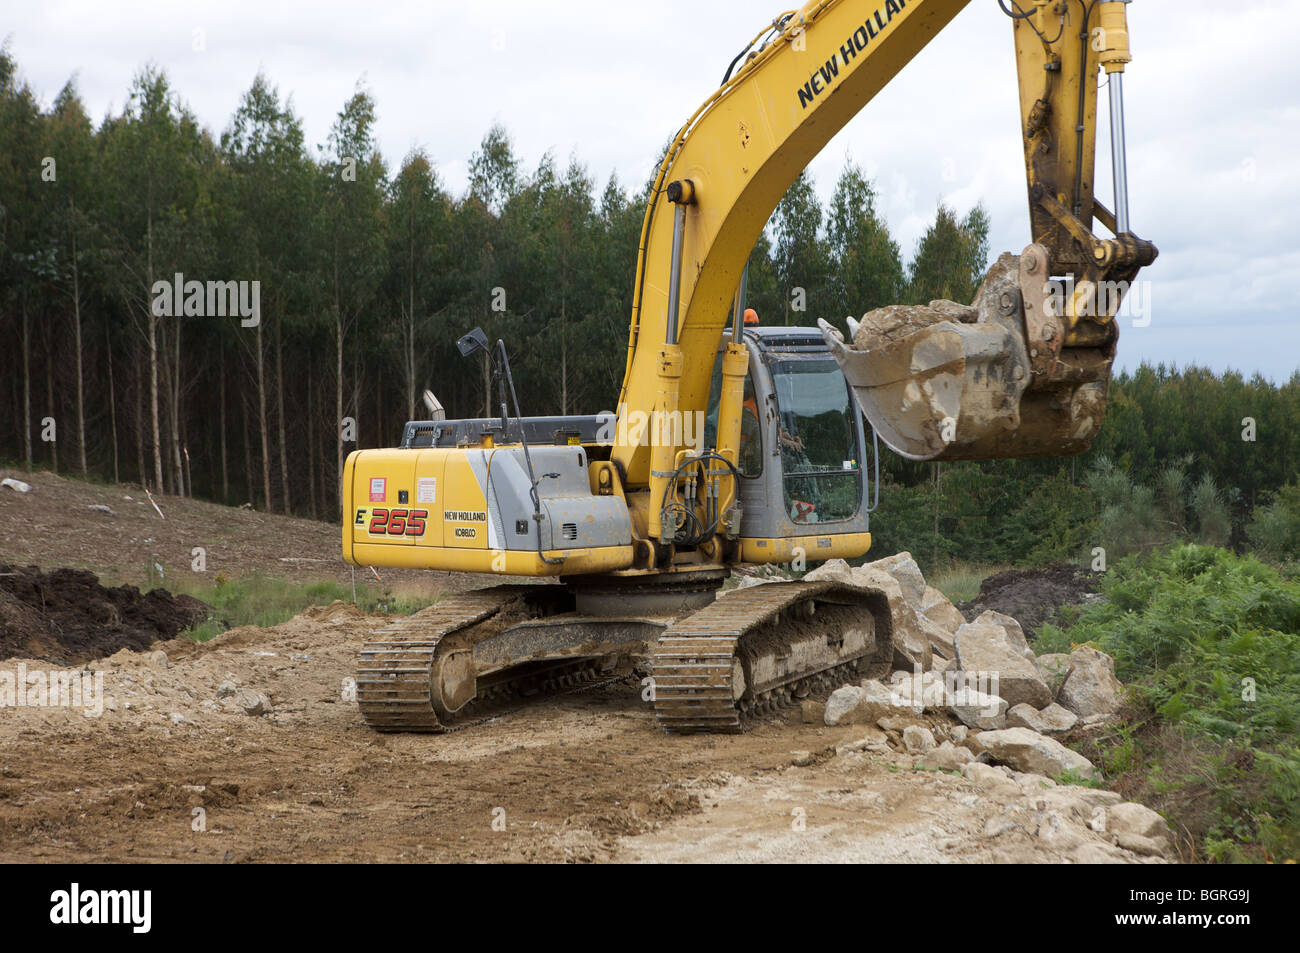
pixel 803 445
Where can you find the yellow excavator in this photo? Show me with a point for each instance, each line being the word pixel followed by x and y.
pixel 738 444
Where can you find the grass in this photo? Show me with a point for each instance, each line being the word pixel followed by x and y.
pixel 960 581
pixel 265 602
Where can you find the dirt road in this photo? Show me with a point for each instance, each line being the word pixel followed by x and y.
pixel 174 770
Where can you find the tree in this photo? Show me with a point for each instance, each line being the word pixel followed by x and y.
pixel 268 239
pixel 351 187
pixel 866 267
pixel 951 257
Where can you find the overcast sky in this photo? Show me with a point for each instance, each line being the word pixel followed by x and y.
pixel 1212 98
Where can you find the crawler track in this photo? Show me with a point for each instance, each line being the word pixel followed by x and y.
pixel 765 646
pixel 394 686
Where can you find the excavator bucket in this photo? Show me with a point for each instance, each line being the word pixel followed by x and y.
pixel 955 382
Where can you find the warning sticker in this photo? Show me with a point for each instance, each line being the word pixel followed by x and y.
pixel 426 490
pixel 378 489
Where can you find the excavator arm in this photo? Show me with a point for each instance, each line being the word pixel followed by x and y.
pixel 1023 373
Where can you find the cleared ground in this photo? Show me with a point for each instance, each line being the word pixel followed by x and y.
pixel 174 769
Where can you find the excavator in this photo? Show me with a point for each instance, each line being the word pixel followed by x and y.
pixel 737 444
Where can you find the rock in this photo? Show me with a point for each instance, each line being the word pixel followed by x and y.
pixel 1146 846
pixel 812 712
pixel 1059 832
pixel 249 702
pixel 1131 818
pixel 911 641
pixel 948 757
pixel 897 723
pixel 977 710
pixel 1000 824
pixel 917 739
pixel 1051 719
pixel 985 651
pixel 1028 751
pixel 1095 721
pixel 917 692
pixel 833 570
pixel 1053 666
pixel 991 780
pixel 157 659
pixel 1091 687
pixel 1094 853
pixel 873 740
pixel 1033 785
pixel 859 704
pixel 842 705
pixel 936 607
pixel 801 759
pixel 1014 633
pixel 904 569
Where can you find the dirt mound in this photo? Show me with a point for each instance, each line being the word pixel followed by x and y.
pixel 1033 596
pixel 67 617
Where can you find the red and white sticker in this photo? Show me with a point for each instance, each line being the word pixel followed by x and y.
pixel 378 489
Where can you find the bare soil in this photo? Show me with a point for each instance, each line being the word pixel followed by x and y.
pixel 172 771
pixel 53 525
pixel 67 617
pixel 1033 596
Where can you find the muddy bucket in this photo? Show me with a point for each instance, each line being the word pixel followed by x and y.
pixel 955 382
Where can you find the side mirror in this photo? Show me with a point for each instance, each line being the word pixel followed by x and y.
pixel 473 342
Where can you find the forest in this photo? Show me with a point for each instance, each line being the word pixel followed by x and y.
pixel 368 270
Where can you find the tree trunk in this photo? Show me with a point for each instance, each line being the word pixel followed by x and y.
pixel 338 403
pixel 248 456
pixel 311 445
pixel 27 388
pixel 139 421
pixel 153 367
pixel 112 398
pixel 185 445
pixel 76 325
pixel 279 400
pixel 261 419
pixel 49 400
pixel 178 443
pixel 221 400
pixel 356 399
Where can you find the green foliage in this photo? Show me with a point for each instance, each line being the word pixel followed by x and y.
pixel 951 257
pixel 1274 529
pixel 1211 640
